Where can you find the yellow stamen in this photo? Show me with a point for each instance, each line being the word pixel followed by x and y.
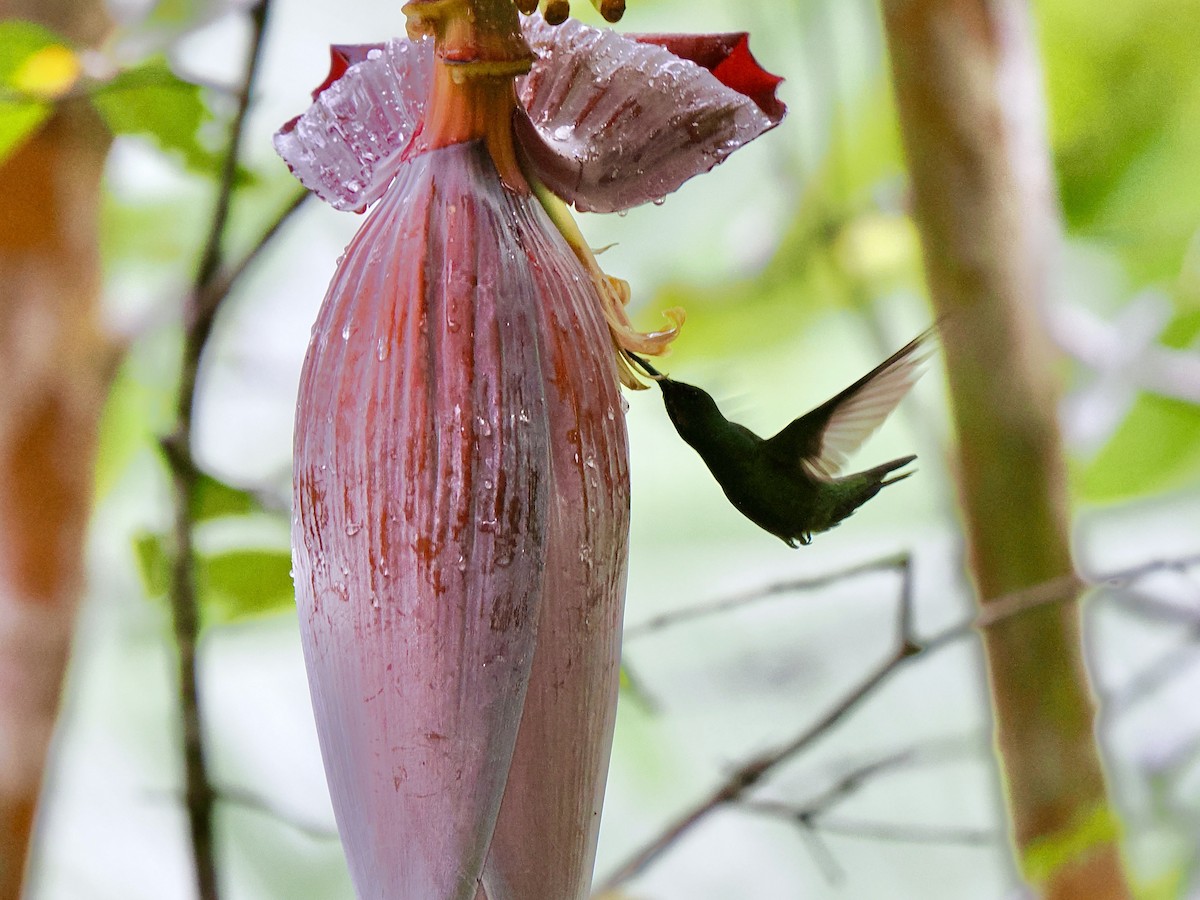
pixel 614 292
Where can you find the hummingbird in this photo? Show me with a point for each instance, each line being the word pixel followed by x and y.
pixel 788 484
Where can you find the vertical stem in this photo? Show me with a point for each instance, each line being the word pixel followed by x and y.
pixel 967 85
pixel 55 366
pixel 200 314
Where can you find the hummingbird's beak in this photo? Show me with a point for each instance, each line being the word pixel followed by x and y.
pixel 645 366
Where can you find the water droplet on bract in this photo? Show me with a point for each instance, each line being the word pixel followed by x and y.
pixel 484 426
pixel 589 461
pixel 345 332
pixel 487 525
pixel 353 186
pixel 659 201
pixel 374 53
pixel 611 415
pixel 488 484
pixel 353 528
pixel 382 348
pixel 374 600
pixel 563 133
pixel 343 592
pixel 523 417
pixel 624 404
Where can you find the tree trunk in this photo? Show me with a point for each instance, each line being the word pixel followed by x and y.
pixel 53 365
pixel 968 88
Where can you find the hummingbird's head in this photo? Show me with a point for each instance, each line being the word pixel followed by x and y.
pixel 693 412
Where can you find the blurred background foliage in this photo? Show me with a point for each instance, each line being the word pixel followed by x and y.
pixel 799 268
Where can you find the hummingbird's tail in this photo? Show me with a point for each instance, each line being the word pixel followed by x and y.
pixel 865 485
pixel 889 467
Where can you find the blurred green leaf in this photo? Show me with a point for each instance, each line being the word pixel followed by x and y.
pixel 214 498
pixel 19 40
pixel 1157 447
pixel 1124 93
pixel 173 14
pixel 152 100
pixel 21 114
pixel 243 583
pixel 153 563
pixel 232 585
pixel 18 120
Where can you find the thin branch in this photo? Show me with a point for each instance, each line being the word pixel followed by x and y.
pixel 254 802
pixel 200 313
pixel 909 833
pixel 907 646
pixel 898 562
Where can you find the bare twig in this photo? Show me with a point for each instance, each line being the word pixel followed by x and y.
pixel 251 801
pixel 209 290
pixel 907 646
pixel 911 834
pixel 897 563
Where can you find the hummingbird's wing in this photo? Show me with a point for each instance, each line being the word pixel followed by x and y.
pixel 822 439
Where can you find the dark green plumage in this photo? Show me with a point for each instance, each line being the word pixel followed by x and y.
pixel 788 484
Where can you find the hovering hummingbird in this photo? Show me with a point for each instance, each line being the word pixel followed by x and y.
pixel 788 484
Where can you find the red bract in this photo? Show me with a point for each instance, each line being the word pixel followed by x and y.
pixel 461 480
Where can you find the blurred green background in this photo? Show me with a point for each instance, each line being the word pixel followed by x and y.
pixel 799 269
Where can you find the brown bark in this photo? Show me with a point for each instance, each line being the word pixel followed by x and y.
pixel 53 365
pixel 967 85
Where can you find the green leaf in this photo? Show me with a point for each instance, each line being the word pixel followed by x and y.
pixel 243 583
pixel 232 585
pixel 19 119
pixel 19 40
pixel 20 112
pixel 214 498
pixel 153 563
pixel 152 100
pixel 1157 447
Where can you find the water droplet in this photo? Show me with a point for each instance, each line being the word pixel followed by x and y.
pixel 381 349
pixel 659 201
pixel 523 416
pixel 353 528
pixel 563 133
pixel 343 592
pixel 487 525
pixel 374 53
pixel 374 600
pixel 345 332
pixel 484 426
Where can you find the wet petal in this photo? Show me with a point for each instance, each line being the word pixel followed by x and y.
pixel 347 146
pixel 614 122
